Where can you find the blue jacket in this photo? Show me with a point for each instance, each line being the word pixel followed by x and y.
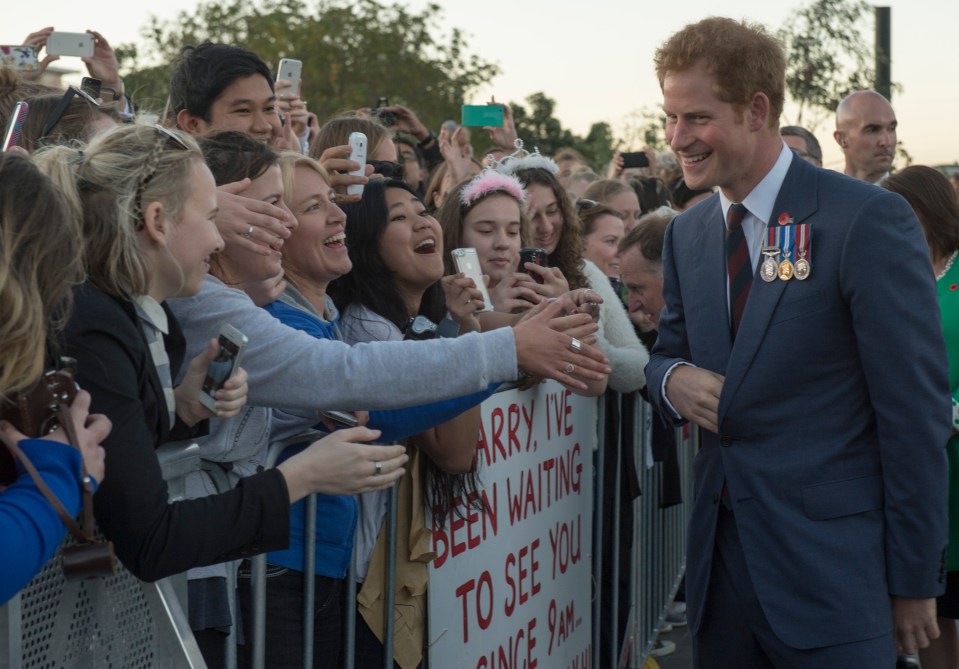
pixel 30 528
pixel 336 514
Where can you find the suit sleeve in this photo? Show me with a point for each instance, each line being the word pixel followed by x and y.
pixel 672 345
pixel 886 279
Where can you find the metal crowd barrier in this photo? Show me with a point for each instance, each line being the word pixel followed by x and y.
pixel 123 622
pixel 116 622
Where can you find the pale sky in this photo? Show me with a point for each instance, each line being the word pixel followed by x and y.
pixel 594 57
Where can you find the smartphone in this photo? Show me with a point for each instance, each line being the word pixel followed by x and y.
pixel 232 342
pixel 91 87
pixel 533 255
pixel 634 159
pixel 22 58
pixel 70 44
pixel 291 70
pixel 467 262
pixel 340 418
pixel 482 115
pixel 17 116
pixel 387 118
pixel 358 154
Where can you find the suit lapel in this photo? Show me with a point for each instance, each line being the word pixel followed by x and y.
pixel 798 198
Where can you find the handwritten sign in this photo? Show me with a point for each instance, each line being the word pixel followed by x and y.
pixel 511 585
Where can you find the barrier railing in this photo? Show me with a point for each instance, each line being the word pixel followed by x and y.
pixel 117 622
pixel 122 622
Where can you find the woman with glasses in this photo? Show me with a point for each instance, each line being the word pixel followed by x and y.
pixel 39 259
pixel 146 201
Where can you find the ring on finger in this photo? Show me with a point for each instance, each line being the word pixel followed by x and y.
pixel 575 345
pixel 379 467
pixel 468 300
pixel 570 368
pixel 249 233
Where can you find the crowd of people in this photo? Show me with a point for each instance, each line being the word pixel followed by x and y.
pixel 127 246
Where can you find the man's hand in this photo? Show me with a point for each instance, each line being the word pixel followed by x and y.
pixel 694 393
pixel 913 623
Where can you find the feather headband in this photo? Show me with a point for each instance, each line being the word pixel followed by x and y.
pixel 490 181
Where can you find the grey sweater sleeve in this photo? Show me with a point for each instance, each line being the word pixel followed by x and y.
pixel 627 355
pixel 288 368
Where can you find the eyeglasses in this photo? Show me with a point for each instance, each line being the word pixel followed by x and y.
pixel 153 163
pixel 61 108
pixel 583 203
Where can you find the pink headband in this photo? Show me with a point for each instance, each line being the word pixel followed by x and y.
pixel 489 181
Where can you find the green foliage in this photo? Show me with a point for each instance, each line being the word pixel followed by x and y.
pixel 827 56
pixel 537 127
pixel 353 52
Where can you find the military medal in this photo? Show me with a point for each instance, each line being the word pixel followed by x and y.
pixel 785 270
pixel 803 268
pixel 785 235
pixel 769 267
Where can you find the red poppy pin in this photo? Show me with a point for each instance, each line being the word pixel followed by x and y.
pixel 785 219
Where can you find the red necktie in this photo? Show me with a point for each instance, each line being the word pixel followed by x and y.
pixel 738 265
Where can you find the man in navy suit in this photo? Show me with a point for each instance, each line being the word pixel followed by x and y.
pixel 801 333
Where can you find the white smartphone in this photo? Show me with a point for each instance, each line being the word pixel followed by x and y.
pixel 223 365
pixel 70 44
pixel 357 154
pixel 468 263
pixel 290 70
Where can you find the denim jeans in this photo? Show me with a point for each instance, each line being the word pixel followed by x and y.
pixel 284 620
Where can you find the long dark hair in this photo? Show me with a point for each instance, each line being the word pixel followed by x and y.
pixel 371 284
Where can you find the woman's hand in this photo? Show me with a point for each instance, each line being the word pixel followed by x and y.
pixel 341 464
pixel 463 300
pixel 455 148
pixel 230 398
pixel 582 301
pixel 579 326
pixel 542 351
pixel 38 40
pixel 90 429
pixel 503 136
pixel 103 65
pixel 253 224
pixel 336 161
pixel 554 283
pixel 514 294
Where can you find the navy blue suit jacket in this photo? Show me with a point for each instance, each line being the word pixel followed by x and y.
pixel 834 412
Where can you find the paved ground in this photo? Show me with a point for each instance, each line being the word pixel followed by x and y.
pixel 683 657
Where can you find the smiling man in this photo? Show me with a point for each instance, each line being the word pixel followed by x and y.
pixel 866 133
pixel 818 526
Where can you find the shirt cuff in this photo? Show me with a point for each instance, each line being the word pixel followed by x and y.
pixel 669 405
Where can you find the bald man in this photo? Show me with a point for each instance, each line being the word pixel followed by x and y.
pixel 866 133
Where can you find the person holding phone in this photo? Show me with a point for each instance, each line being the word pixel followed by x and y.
pixel 488 213
pixel 558 229
pixel 38 234
pixel 129 349
pixel 290 375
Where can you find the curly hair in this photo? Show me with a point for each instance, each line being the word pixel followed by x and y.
pixel 742 57
pixel 40 257
pixel 568 254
